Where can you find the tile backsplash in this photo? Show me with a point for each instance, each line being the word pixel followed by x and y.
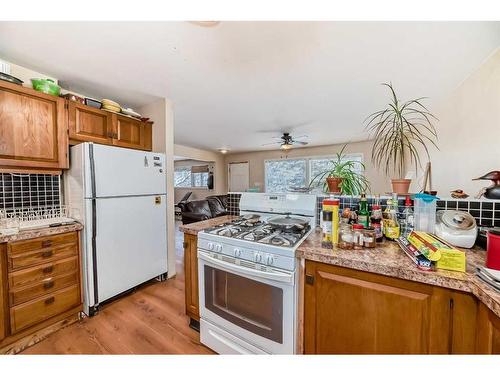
pixel 25 191
pixel 234 204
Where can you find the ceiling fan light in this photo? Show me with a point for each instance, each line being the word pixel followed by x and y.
pixel 286 146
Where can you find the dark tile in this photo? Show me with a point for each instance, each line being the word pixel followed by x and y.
pixel 475 205
pixel 441 204
pixel 462 204
pixel 487 214
pixel 475 213
pixel 487 205
pixel 497 223
pixel 487 222
pixel 451 205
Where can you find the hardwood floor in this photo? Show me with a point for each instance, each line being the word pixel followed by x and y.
pixel 151 320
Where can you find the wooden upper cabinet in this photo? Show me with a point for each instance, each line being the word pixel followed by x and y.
pixel 128 132
pixel 353 312
pixel 33 129
pixel 87 124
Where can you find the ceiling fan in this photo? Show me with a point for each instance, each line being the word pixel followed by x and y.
pixel 286 141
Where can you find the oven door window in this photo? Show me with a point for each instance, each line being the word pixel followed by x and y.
pixel 254 306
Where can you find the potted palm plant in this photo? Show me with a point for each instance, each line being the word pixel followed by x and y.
pixel 399 131
pixel 342 176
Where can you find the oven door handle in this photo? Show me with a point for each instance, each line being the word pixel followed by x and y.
pixel 276 276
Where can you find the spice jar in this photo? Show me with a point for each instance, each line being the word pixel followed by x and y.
pixel 357 235
pixel 369 237
pixel 327 230
pixel 345 237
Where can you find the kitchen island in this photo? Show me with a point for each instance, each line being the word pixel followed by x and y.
pixel 377 301
pixel 191 264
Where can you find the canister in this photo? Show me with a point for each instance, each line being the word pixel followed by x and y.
pixel 493 250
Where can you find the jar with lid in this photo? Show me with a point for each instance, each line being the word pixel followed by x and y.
pixel 369 237
pixel 357 235
pixel 345 237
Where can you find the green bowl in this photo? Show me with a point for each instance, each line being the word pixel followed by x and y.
pixel 46 86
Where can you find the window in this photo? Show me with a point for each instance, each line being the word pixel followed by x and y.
pixel 191 176
pixel 284 174
pixel 281 175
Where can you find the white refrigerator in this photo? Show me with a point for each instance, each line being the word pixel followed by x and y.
pixel 119 195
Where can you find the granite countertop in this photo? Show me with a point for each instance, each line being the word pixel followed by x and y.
pixel 389 260
pixel 42 232
pixel 194 228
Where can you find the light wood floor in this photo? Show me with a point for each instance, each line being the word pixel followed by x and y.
pixel 148 321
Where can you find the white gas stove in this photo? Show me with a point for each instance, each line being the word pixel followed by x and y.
pixel 247 275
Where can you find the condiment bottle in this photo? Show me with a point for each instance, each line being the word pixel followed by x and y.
pixel 363 213
pixel 369 238
pixel 376 222
pixel 327 230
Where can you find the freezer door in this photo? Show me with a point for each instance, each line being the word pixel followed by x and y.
pixel 131 242
pixel 120 171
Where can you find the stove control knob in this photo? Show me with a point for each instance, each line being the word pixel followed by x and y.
pixel 269 259
pixel 218 248
pixel 237 253
pixel 258 257
pixel 210 246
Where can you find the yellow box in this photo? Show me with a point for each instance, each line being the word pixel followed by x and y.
pixel 452 259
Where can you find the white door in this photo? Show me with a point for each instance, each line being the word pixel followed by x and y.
pixel 238 177
pixel 131 242
pixel 120 171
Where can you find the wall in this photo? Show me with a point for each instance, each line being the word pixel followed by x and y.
pixel 469 131
pixel 25 74
pixel 163 141
pixel 220 183
pixel 379 183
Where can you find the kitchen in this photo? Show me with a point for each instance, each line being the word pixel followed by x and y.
pixel 90 248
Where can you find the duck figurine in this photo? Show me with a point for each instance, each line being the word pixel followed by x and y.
pixel 492 191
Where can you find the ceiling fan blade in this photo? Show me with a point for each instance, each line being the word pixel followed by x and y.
pixel 272 143
pixel 300 142
pixel 301 136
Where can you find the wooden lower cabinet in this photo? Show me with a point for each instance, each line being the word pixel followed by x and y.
pixel 191 279
pixel 488 331
pixel 40 285
pixel 355 312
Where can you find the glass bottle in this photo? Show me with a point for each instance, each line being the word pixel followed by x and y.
pixel 407 218
pixel 363 213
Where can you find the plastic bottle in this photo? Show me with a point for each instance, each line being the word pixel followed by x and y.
pixel 407 219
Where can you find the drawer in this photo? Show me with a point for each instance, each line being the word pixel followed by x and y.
pixel 47 286
pixel 30 313
pixel 42 256
pixel 45 243
pixel 41 272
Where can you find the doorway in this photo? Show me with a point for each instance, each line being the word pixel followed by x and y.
pixel 238 177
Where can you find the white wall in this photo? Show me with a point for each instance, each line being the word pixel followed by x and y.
pixel 161 112
pixel 468 131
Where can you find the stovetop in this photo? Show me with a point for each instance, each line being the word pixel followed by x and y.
pixel 257 230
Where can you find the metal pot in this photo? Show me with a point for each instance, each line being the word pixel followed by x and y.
pixel 287 222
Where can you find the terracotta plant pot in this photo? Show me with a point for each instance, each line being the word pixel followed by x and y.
pixel 401 186
pixel 333 184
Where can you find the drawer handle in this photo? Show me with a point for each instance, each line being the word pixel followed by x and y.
pixel 47 254
pixel 50 300
pixel 48 284
pixel 48 269
pixel 47 243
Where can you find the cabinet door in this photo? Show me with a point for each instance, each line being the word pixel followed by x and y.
pixel 87 124
pixel 353 312
pixel 33 129
pixel 191 276
pixel 488 331
pixel 128 132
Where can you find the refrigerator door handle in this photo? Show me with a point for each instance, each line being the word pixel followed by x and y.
pixel 94 223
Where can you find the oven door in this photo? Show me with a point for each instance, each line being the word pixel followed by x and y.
pixel 253 305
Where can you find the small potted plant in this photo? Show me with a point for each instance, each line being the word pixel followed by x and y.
pixel 342 176
pixel 398 132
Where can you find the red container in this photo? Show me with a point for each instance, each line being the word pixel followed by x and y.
pixel 493 250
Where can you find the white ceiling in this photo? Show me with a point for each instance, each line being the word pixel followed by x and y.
pixel 238 84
